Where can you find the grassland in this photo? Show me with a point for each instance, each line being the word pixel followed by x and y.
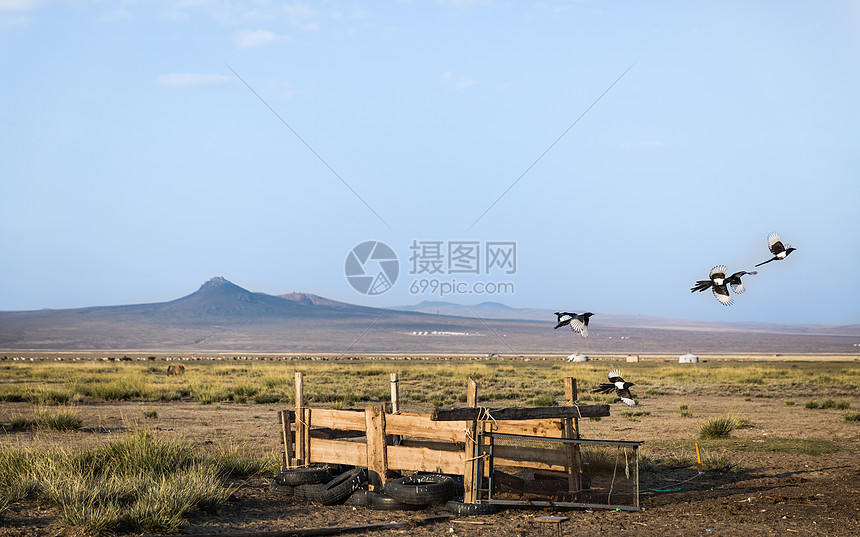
pixel 51 411
pixel 434 382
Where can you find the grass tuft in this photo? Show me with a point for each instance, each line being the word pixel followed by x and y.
pixel 720 427
pixel 544 399
pixel 138 484
pixel 851 416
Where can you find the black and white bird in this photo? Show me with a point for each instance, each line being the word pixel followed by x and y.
pixel 621 387
pixel 718 283
pixel 735 283
pixel 578 322
pixel 777 248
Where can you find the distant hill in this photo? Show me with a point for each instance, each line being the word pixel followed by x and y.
pixel 495 310
pixel 222 316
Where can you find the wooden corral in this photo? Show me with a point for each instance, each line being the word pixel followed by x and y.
pixel 446 441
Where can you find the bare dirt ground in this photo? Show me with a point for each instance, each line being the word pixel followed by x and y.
pixel 777 493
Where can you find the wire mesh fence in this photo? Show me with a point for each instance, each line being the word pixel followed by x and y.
pixel 538 471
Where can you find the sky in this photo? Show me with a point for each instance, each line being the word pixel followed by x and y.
pixel 570 155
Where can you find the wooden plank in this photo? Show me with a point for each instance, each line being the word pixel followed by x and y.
pixel 546 428
pixel 422 459
pixel 347 420
pixel 571 430
pixel 472 393
pixel 377 453
pixel 520 413
pixel 286 437
pixel 471 469
pixel 420 426
pixel 530 457
pixel 339 452
pixel 434 444
pixel 306 434
pixel 300 417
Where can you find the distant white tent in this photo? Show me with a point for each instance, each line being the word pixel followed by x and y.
pixel 578 357
pixel 688 359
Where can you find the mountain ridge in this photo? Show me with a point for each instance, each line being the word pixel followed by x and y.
pixel 221 315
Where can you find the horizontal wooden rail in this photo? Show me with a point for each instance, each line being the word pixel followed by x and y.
pixel 519 413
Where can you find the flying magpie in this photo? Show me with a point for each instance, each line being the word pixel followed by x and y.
pixel 735 283
pixel 578 322
pixel 777 248
pixel 621 387
pixel 718 284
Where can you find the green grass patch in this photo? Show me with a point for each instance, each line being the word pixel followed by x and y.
pixel 756 445
pixel 544 399
pixel 719 427
pixel 59 420
pixel 851 416
pixel 138 484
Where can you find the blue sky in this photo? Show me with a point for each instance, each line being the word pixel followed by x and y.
pixel 135 165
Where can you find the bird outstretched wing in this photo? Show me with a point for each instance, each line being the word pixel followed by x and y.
pixel 615 376
pixel 625 397
pixel 578 326
pixel 563 318
pixel 735 282
pixel 718 272
pixel 774 244
pixel 721 292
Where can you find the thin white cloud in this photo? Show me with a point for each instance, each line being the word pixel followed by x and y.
pixel 184 80
pixel 257 38
pixel 458 82
pixel 19 5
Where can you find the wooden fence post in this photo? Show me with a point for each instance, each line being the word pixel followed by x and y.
pixel 469 485
pixel 286 436
pixel 395 394
pixel 300 420
pixel 571 430
pixel 377 454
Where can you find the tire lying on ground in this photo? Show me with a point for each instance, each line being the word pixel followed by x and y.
pixel 469 509
pixel 341 487
pixel 421 489
pixel 303 476
pixel 359 498
pixel 286 490
pixel 384 502
pixel 309 492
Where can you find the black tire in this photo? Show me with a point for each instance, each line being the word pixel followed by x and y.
pixel 384 502
pixel 470 509
pixel 339 489
pixel 286 490
pixel 422 489
pixel 359 498
pixel 303 476
pixel 309 492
